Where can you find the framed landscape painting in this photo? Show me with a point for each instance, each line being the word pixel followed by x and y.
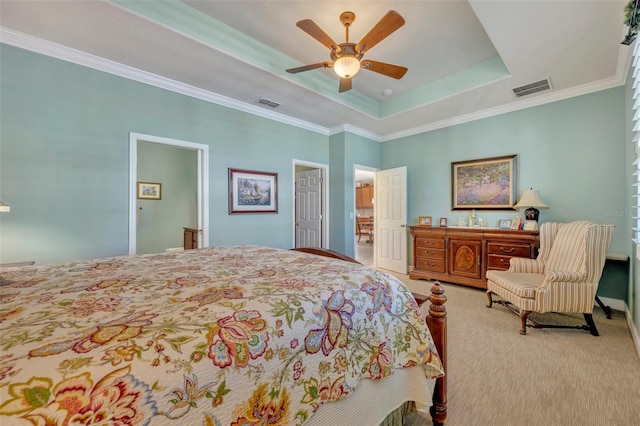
pixel 149 191
pixel 252 192
pixel 484 184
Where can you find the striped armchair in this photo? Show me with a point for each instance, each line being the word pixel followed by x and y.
pixel 563 278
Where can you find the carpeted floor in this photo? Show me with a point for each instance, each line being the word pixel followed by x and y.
pixel 548 377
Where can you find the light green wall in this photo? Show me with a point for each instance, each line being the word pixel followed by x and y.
pixel 160 222
pixel 64 165
pixel 572 151
pixel 64 158
pixel 347 150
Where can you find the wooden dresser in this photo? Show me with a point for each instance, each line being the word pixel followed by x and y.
pixel 464 255
pixel 190 238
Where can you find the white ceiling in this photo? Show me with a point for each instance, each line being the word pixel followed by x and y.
pixel 464 57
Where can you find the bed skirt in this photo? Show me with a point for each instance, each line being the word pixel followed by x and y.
pixel 374 401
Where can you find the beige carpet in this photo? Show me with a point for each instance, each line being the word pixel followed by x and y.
pixel 548 377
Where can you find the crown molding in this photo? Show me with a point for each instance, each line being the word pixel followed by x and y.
pixel 348 128
pixel 58 51
pixel 585 89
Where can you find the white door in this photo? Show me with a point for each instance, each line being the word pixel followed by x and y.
pixel 309 208
pixel 390 204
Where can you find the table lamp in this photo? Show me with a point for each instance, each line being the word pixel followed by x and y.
pixel 532 202
pixel 4 208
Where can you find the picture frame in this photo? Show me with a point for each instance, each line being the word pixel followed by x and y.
pixel 252 191
pixel 504 224
pixel 149 191
pixel 424 221
pixel 443 222
pixel 484 184
pixel 516 223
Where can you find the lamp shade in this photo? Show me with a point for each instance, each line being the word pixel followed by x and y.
pixel 4 208
pixel 531 198
pixel 346 66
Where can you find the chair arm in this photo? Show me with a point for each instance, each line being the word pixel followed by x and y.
pixel 525 265
pixel 572 277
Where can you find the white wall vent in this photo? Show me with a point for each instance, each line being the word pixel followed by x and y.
pixel 531 88
pixel 269 103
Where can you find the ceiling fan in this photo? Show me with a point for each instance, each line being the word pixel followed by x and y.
pixel 346 58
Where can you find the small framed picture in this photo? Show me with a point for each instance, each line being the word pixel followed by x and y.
pixel 424 220
pixel 516 223
pixel 443 222
pixel 149 191
pixel 505 224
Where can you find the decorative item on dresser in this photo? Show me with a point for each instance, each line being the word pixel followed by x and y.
pixel 424 220
pixel 464 255
pixel 531 201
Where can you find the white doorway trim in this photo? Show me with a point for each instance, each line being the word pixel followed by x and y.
pixel 324 208
pixel 203 184
pixel 354 210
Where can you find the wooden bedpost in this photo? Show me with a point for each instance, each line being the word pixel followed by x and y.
pixel 437 322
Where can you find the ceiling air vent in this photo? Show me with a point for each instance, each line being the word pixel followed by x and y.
pixel 269 103
pixel 531 88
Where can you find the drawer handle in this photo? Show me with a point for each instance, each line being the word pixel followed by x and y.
pixel 504 262
pixel 509 250
pixel 430 243
pixel 431 252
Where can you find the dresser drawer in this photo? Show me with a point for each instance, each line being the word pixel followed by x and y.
pixel 437 243
pixel 430 253
pixel 509 249
pixel 430 265
pixel 498 262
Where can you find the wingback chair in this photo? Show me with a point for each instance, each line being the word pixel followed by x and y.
pixel 563 278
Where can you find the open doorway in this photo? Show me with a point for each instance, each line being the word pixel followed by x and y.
pixel 168 193
pixel 364 178
pixel 310 204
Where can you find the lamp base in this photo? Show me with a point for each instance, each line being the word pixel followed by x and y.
pixel 532 213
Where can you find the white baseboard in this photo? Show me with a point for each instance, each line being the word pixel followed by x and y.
pixel 632 328
pixel 617 304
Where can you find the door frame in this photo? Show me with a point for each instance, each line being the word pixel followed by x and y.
pixel 202 178
pixel 324 203
pixel 354 209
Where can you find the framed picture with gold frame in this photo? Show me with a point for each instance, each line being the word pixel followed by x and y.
pixel 149 191
pixel 424 221
pixel 484 184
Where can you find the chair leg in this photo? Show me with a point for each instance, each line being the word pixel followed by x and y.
pixel 592 325
pixel 489 293
pixel 606 309
pixel 523 321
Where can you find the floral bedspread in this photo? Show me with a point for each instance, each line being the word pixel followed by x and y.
pixel 239 335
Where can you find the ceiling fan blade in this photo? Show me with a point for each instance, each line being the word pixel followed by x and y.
pixel 390 70
pixel 311 28
pixel 309 67
pixel 387 25
pixel 345 85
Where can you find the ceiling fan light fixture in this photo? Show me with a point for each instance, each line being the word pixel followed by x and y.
pixel 346 66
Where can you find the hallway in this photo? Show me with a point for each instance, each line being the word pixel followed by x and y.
pixel 364 252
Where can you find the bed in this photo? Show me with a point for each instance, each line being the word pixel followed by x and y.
pixel 237 335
